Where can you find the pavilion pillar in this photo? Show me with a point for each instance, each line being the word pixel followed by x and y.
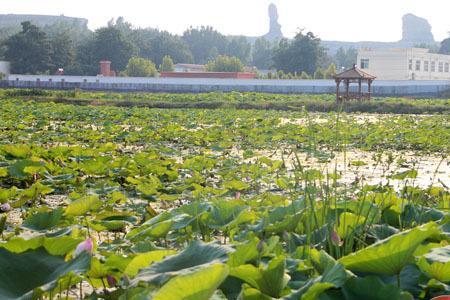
pixel 359 90
pixel 370 88
pixel 338 83
pixel 347 89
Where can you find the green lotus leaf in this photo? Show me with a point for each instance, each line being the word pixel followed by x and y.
pixel 288 223
pixel 425 248
pixel 83 205
pixel 3 172
pixel 361 207
pixel 54 245
pixel 157 230
pixel 196 255
pixel 144 260
pixel 8 194
pixel 236 185
pixel 436 263
pixel 271 280
pixel 389 256
pixel 381 232
pixel 26 275
pixel 43 220
pixel 160 225
pixel 226 214
pixel 198 285
pixel 22 169
pixel 372 288
pixel 250 293
pixel 16 151
pixel 316 290
pixel 97 269
pixel 113 226
pixel 348 222
pixel 334 275
pixel 405 174
pixel 244 253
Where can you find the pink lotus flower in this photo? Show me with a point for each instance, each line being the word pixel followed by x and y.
pixel 87 245
pixel 5 207
pixel 238 195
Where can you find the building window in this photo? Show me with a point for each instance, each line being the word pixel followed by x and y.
pixel 418 64
pixel 426 65
pixel 410 64
pixel 364 63
pixel 447 67
pixel 433 66
pixel 441 67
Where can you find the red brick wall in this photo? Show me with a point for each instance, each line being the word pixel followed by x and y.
pixel 105 68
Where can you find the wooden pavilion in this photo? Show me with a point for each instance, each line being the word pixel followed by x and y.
pixel 353 75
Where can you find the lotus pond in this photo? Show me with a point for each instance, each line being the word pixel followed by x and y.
pixel 102 202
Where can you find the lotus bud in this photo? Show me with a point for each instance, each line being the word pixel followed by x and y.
pixel 238 195
pixel 112 282
pixel 5 207
pixel 335 238
pixel 87 245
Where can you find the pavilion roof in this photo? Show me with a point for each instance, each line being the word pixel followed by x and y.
pixel 354 73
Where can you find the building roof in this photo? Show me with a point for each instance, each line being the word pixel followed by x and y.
pixel 354 73
pixel 190 66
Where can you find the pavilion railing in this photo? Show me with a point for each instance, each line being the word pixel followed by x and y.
pixel 356 96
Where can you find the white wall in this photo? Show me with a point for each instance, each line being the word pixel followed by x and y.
pixel 423 56
pixel 428 88
pixel 385 64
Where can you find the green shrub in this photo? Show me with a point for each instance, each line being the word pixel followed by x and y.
pixel 140 67
pixel 167 64
pixel 225 63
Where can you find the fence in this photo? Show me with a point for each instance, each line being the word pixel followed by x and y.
pixel 188 85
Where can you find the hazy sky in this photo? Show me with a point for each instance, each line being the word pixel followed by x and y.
pixel 329 19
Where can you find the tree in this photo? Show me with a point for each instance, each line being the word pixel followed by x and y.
pixel 110 43
pixel 319 74
pixel 300 54
pixel 167 64
pixel 239 47
pixel 76 30
pixel 29 50
pixel 305 76
pixel 86 62
pixel 140 67
pixel 225 63
pixel 63 52
pixel 445 46
pixel 164 43
pixel 345 58
pixel 205 43
pixel 330 71
pixel 262 54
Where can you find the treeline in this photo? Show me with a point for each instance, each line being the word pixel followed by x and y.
pixel 36 50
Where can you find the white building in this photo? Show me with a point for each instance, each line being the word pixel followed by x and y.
pixel 404 64
pixel 4 68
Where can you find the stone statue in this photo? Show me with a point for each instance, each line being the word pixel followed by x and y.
pixel 275 28
pixel 416 30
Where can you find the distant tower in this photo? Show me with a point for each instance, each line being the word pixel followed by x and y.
pixel 275 27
